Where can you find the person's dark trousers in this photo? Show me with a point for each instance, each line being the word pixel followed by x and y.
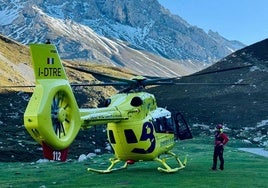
pixel 218 152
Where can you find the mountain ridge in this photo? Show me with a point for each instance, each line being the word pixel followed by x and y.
pixel 99 30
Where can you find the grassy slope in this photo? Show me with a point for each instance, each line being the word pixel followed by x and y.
pixel 14 63
pixel 242 170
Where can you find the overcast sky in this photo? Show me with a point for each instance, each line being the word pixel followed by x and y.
pixel 242 20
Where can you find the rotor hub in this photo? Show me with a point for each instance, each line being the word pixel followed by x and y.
pixel 61 115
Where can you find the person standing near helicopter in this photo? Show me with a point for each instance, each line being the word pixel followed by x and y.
pixel 220 140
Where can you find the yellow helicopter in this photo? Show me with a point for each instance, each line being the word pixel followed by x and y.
pixel 137 129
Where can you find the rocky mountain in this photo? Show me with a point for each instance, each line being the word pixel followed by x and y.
pixel 140 35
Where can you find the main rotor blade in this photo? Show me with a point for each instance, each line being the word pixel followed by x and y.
pixel 100 84
pixel 78 84
pixel 217 71
pixel 211 84
pixel 17 86
pixel 99 74
pixel 160 81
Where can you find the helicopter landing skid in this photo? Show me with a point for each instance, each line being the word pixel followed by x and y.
pixel 167 168
pixel 113 161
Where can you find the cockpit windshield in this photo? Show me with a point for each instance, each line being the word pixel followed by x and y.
pixel 163 124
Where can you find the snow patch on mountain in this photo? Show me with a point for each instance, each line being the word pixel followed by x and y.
pixel 7 15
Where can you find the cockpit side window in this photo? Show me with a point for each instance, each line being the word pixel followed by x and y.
pixel 163 125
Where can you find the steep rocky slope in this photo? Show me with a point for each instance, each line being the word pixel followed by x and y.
pixel 243 109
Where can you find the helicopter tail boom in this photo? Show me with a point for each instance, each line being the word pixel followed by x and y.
pixel 100 116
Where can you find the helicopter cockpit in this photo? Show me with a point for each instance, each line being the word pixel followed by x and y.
pixel 163 121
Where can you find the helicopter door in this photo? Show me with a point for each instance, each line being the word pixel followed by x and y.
pixel 182 130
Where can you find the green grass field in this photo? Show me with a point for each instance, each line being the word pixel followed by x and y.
pixel 241 170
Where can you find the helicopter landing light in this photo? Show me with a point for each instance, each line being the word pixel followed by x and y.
pixel 130 161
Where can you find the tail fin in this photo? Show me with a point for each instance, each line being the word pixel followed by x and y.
pixel 46 62
pixel 52 115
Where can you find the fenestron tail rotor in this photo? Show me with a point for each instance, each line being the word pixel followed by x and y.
pixel 60 114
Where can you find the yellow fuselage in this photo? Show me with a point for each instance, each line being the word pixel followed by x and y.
pixel 130 126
